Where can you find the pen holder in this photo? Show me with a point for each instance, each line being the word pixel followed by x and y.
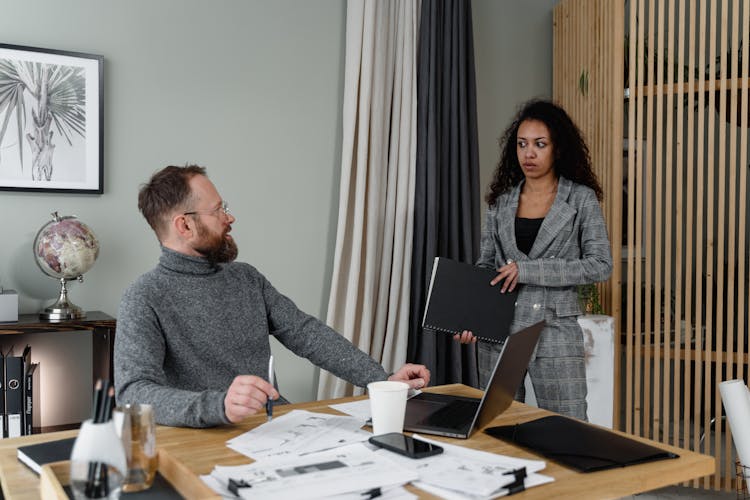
pixel 742 472
pixel 97 462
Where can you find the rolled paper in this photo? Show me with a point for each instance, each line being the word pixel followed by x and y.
pixel 736 398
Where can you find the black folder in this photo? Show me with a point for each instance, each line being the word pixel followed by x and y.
pixel 3 418
pixel 28 398
pixel 460 297
pixel 579 445
pixel 36 455
pixel 14 383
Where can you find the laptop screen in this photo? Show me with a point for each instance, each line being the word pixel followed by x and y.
pixel 457 416
pixel 508 375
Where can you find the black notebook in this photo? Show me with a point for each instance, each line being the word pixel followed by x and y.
pixel 579 445
pixel 460 298
pixel 36 455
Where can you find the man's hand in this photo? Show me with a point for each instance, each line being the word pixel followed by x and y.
pixel 246 396
pixel 417 376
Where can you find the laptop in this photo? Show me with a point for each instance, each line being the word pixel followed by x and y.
pixel 457 416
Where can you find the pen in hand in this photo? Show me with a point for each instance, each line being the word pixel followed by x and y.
pixel 269 403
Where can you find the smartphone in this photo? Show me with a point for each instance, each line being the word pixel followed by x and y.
pixel 406 445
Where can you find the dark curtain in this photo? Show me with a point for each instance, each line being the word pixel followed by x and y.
pixel 446 205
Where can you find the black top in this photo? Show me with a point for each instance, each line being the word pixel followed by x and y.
pixel 526 231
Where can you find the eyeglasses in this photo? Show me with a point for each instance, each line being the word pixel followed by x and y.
pixel 223 208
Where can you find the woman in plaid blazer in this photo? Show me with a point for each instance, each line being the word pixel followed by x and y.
pixel 545 233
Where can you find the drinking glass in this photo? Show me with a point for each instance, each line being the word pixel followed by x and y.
pixel 135 426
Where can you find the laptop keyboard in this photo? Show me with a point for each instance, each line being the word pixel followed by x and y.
pixel 453 415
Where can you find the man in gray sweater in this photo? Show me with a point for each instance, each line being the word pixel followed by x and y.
pixel 193 333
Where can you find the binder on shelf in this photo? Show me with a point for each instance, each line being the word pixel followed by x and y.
pixel 3 420
pixel 26 359
pixel 28 397
pixel 460 297
pixel 14 382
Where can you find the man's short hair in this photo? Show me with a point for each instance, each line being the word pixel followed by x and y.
pixel 167 189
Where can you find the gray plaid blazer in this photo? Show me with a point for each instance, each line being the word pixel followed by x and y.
pixel 572 248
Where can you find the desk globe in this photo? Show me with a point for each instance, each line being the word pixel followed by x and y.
pixel 64 249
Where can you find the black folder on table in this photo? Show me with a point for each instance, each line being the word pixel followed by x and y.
pixel 460 297
pixel 579 445
pixel 36 455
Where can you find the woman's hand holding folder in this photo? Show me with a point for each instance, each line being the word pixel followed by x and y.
pixel 465 337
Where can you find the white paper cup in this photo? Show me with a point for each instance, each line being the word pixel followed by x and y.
pixel 387 405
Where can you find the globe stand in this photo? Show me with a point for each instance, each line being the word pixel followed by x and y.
pixel 62 309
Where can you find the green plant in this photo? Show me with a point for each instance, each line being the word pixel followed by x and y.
pixel 588 296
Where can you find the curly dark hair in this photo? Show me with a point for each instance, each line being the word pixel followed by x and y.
pixel 572 159
pixel 167 189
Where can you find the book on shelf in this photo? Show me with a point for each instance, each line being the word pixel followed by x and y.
pixel 460 297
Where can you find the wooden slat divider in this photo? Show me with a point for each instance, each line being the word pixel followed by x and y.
pixel 729 78
pixel 630 357
pixel 690 221
pixel 688 290
pixel 669 339
pixel 649 229
pixel 743 304
pixel 658 204
pixel 641 147
pixel 614 128
pixel 699 225
pixel 679 227
pixel 710 165
pixel 680 280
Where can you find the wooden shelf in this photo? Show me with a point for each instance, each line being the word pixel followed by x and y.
pixel 690 354
pixel 62 344
pixel 684 87
pixel 30 323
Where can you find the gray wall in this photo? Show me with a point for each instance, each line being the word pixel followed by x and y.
pixel 513 50
pixel 252 90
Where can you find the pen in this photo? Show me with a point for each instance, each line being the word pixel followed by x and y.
pixel 236 484
pixel 269 403
pixel 373 493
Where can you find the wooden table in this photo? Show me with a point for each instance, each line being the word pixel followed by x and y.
pixel 200 449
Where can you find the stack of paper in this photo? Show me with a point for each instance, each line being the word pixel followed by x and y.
pixel 315 455
pixel 299 432
pixel 350 469
pixel 463 473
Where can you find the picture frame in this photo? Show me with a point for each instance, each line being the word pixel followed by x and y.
pixel 51 120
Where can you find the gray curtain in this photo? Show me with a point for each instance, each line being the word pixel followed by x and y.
pixel 446 205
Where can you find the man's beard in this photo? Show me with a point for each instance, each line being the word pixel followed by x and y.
pixel 217 248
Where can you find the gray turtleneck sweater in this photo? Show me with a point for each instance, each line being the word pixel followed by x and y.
pixel 185 329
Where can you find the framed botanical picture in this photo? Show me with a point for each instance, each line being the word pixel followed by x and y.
pixel 51 120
